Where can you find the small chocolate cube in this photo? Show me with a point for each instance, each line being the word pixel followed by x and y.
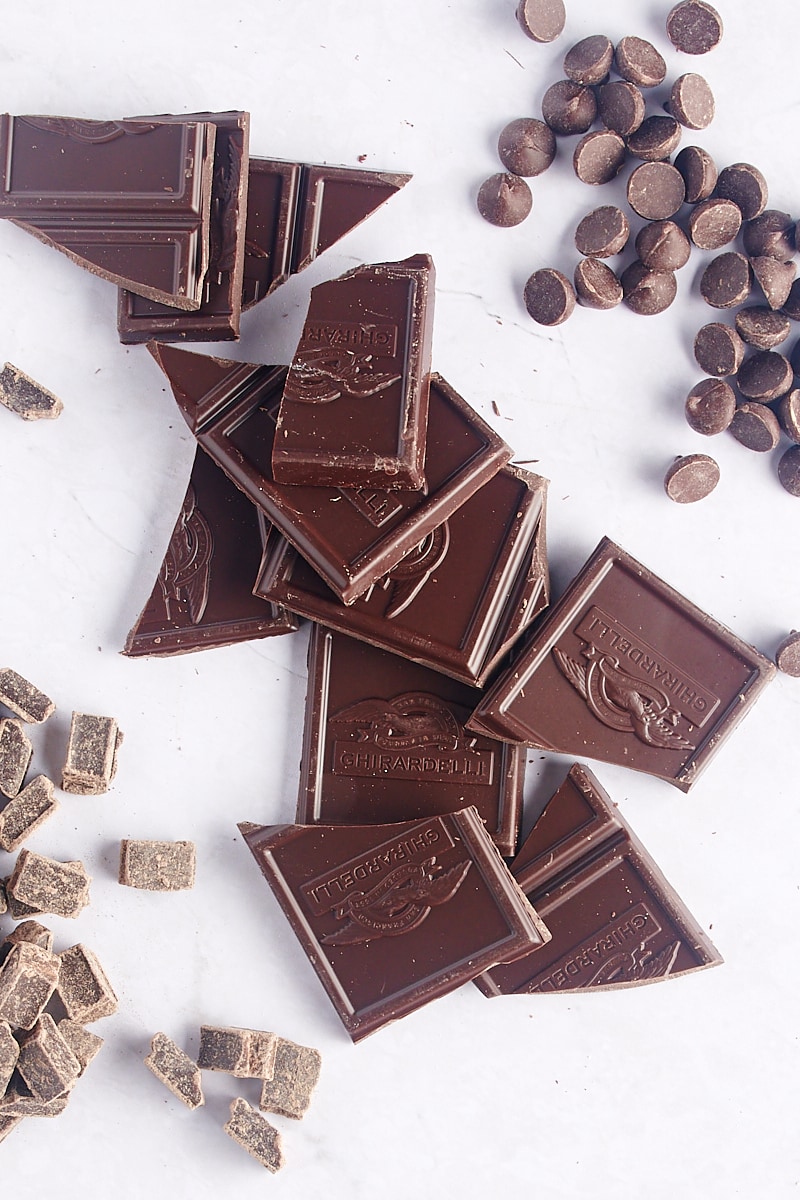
pixel 245 1053
pixel 156 866
pixel 30 931
pixel 46 1062
pixel 44 885
pixel 295 1077
pixel 24 700
pixel 9 1053
pixel 28 978
pixel 25 397
pixel 83 987
pixel 15 755
pixel 176 1070
pixel 29 809
pixel 82 1042
pixel 91 755
pixel 255 1134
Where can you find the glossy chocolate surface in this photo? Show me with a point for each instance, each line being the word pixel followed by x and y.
pixel 128 200
pixel 352 536
pixel 614 919
pixel 384 740
pixel 392 916
pixel 458 601
pixel 627 670
pixel 203 594
pixel 355 407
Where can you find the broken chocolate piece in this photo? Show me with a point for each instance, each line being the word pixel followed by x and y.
pixel 46 886
pixel 83 986
pixel 15 755
pixel 30 931
pixel 245 1053
pixel 156 866
pixel 46 1062
pixel 9 1053
pixel 392 916
pixel 296 1075
pixel 176 1070
pixel 255 1135
pixel 24 700
pixel 27 398
pixel 83 1043
pixel 614 919
pixel 29 809
pixel 18 1103
pixel 91 761
pixel 28 978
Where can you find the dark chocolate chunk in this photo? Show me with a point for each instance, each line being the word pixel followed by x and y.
pixel 46 886
pixel 526 146
pixel 243 1053
pixel 713 223
pixel 656 190
pixel 765 375
pixel 787 656
pixel 662 246
pixel 694 27
pixel 647 292
pixel 629 671
pixel 542 20
pixel 599 156
pixel 29 809
pixel 83 986
pixel 615 920
pixel 774 278
pixel 788 414
pixel 762 327
pixel 254 1134
pixel 16 751
pixel 638 61
pixel 596 285
pixel 718 348
pixel 756 427
pixel 176 1070
pixel 91 760
pixel 504 200
pixel 549 296
pixel 157 866
pixel 655 139
pixel 602 232
pixel 789 470
pixel 710 406
pixel 569 107
pixel 771 233
pixel 691 477
pixel 24 396
pixel 620 106
pixel 589 60
pixel 691 101
pixel 296 1074
pixel 746 187
pixel 726 280
pixel 699 172
pixel 46 1062
pixel 392 916
pixel 24 699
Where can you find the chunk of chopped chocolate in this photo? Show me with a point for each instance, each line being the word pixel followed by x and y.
pixel 691 477
pixel 29 809
pixel 47 886
pixel 255 1135
pixel 245 1053
pixel 46 1062
pixel 30 931
pixel 83 986
pixel 9 1053
pixel 18 1102
pixel 25 397
pixel 24 700
pixel 7 1126
pixel 176 1070
pixel 296 1075
pixel 91 761
pixel 156 866
pixel 83 1043
pixel 28 978
pixel 15 755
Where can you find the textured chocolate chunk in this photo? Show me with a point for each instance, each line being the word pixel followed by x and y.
pixel 620 106
pixel 176 1070
pixel 655 190
pixel 699 173
pixel 718 348
pixel 789 470
pixel 589 60
pixel 691 101
pixel 29 809
pixel 83 986
pixel 772 233
pixel 726 280
pixel 255 1135
pixel 24 699
pixel 504 200
pixel 18 1103
pixel 602 232
pixel 245 1053
pixel 297 1070
pixel 28 978
pixel 762 327
pixel 157 866
pixel 46 1062
pixel 787 656
pixel 662 246
pixel 16 751
pixel 599 156
pixel 46 886
pixel 713 223
pixel 526 146
pixel 638 61
pixel 25 397
pixel 542 20
pixel 569 107
pixel 694 27
pixel 756 427
pixel 765 375
pixel 91 760
pixel 8 1125
pixel 596 285
pixel 9 1053
pixel 655 139
pixel 549 296
pixel 710 406
pixel 746 187
pixel 774 278
pixel 30 931
pixel 647 292
pixel 83 1043
pixel 691 477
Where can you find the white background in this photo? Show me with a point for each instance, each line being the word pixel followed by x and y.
pixel 688 1088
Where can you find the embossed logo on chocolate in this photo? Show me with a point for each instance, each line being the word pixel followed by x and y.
pixel 414 736
pixel 616 954
pixel 398 904
pixel 185 573
pixel 376 506
pixel 629 686
pixel 405 581
pixel 87 131
pixel 322 373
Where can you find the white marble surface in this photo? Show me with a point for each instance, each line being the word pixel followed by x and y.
pixel 685 1089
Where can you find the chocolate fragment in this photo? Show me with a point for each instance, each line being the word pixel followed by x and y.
pixel 3 898
pixel 297 1070
pixel 718 349
pixel 82 1042
pixel 789 470
pixel 46 886
pixel 91 761
pixel 787 656
pixel 655 139
pixel 699 173
pixel 7 1126
pixel 504 200
pixel 662 246
pixel 756 427
pixel 596 285
pixel 746 187
pixel 762 327
pixel 542 20
pixel 599 156
pixel 9 1053
pixel 16 751
pixel 46 1062
pixel 24 700
pixel 83 986
pixel 620 106
pixel 29 809
pixel 526 146
pixel 589 60
pixel 245 1053
pixel 569 107
pixel 638 61
pixel 602 232
pixel 647 292
pixel 772 233
pixel 774 278
pixel 156 866
pixel 176 1070
pixel 28 978
pixel 655 190
pixel 691 101
pixel 710 406
pixel 694 27
pixel 788 414
pixel 549 297
pixel 30 931
pixel 255 1135
pixel 25 397
pixel 726 280
pixel 765 375
pixel 713 223
pixel 616 921
pixel 18 1103
pixel 691 477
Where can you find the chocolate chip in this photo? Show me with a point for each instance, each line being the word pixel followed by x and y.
pixel 788 414
pixel 789 470
pixel 602 232
pixel 599 156
pixel 620 106
pixel 764 376
pixel 710 406
pixel 772 233
pixel 699 172
pixel 762 327
pixel 718 349
pixel 787 656
pixel 691 478
pixel 663 246
pixel 596 285
pixel 647 292
pixel 549 296
pixel 639 62
pixel 589 60
pixel 569 107
pixel 694 27
pixel 542 20
pixel 655 139
pixel 504 200
pixel 526 146
pixel 746 186
pixel 655 191
pixel 756 427
pixel 691 101
pixel 714 223
pixel 791 306
pixel 774 278
pixel 726 280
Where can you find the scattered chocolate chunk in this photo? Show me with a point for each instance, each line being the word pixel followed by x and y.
pixel 46 1062
pixel 589 60
pixel 774 278
pixel 8 1125
pixel 549 296
pixel 756 427
pixel 245 1053
pixel 726 280
pixel 526 146
pixel 28 978
pixel 772 233
pixel 694 27
pixel 542 20
pixel 25 397
pixel 762 327
pixel 655 139
pixel 29 809
pixel 255 1135
pixel 569 107
pixel 746 186
pixel 288 1092
pixel 599 156
pixel 24 700
pixel 602 232
pixel 699 172
pixel 3 897
pixel 787 656
pixel 765 375
pixel 157 866
pixel 691 101
pixel 30 931
pixel 47 886
pixel 713 223
pixel 788 414
pixel 18 1102
pixel 710 406
pixel 663 246
pixel 647 292
pixel 504 200
pixel 15 755
pixel 656 190
pixel 83 1043
pixel 690 478
pixel 596 285
pixel 9 1053
pixel 620 106
pixel 91 761
pixel 789 470
pixel 176 1070
pixel 83 986
pixel 638 62
pixel 719 349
